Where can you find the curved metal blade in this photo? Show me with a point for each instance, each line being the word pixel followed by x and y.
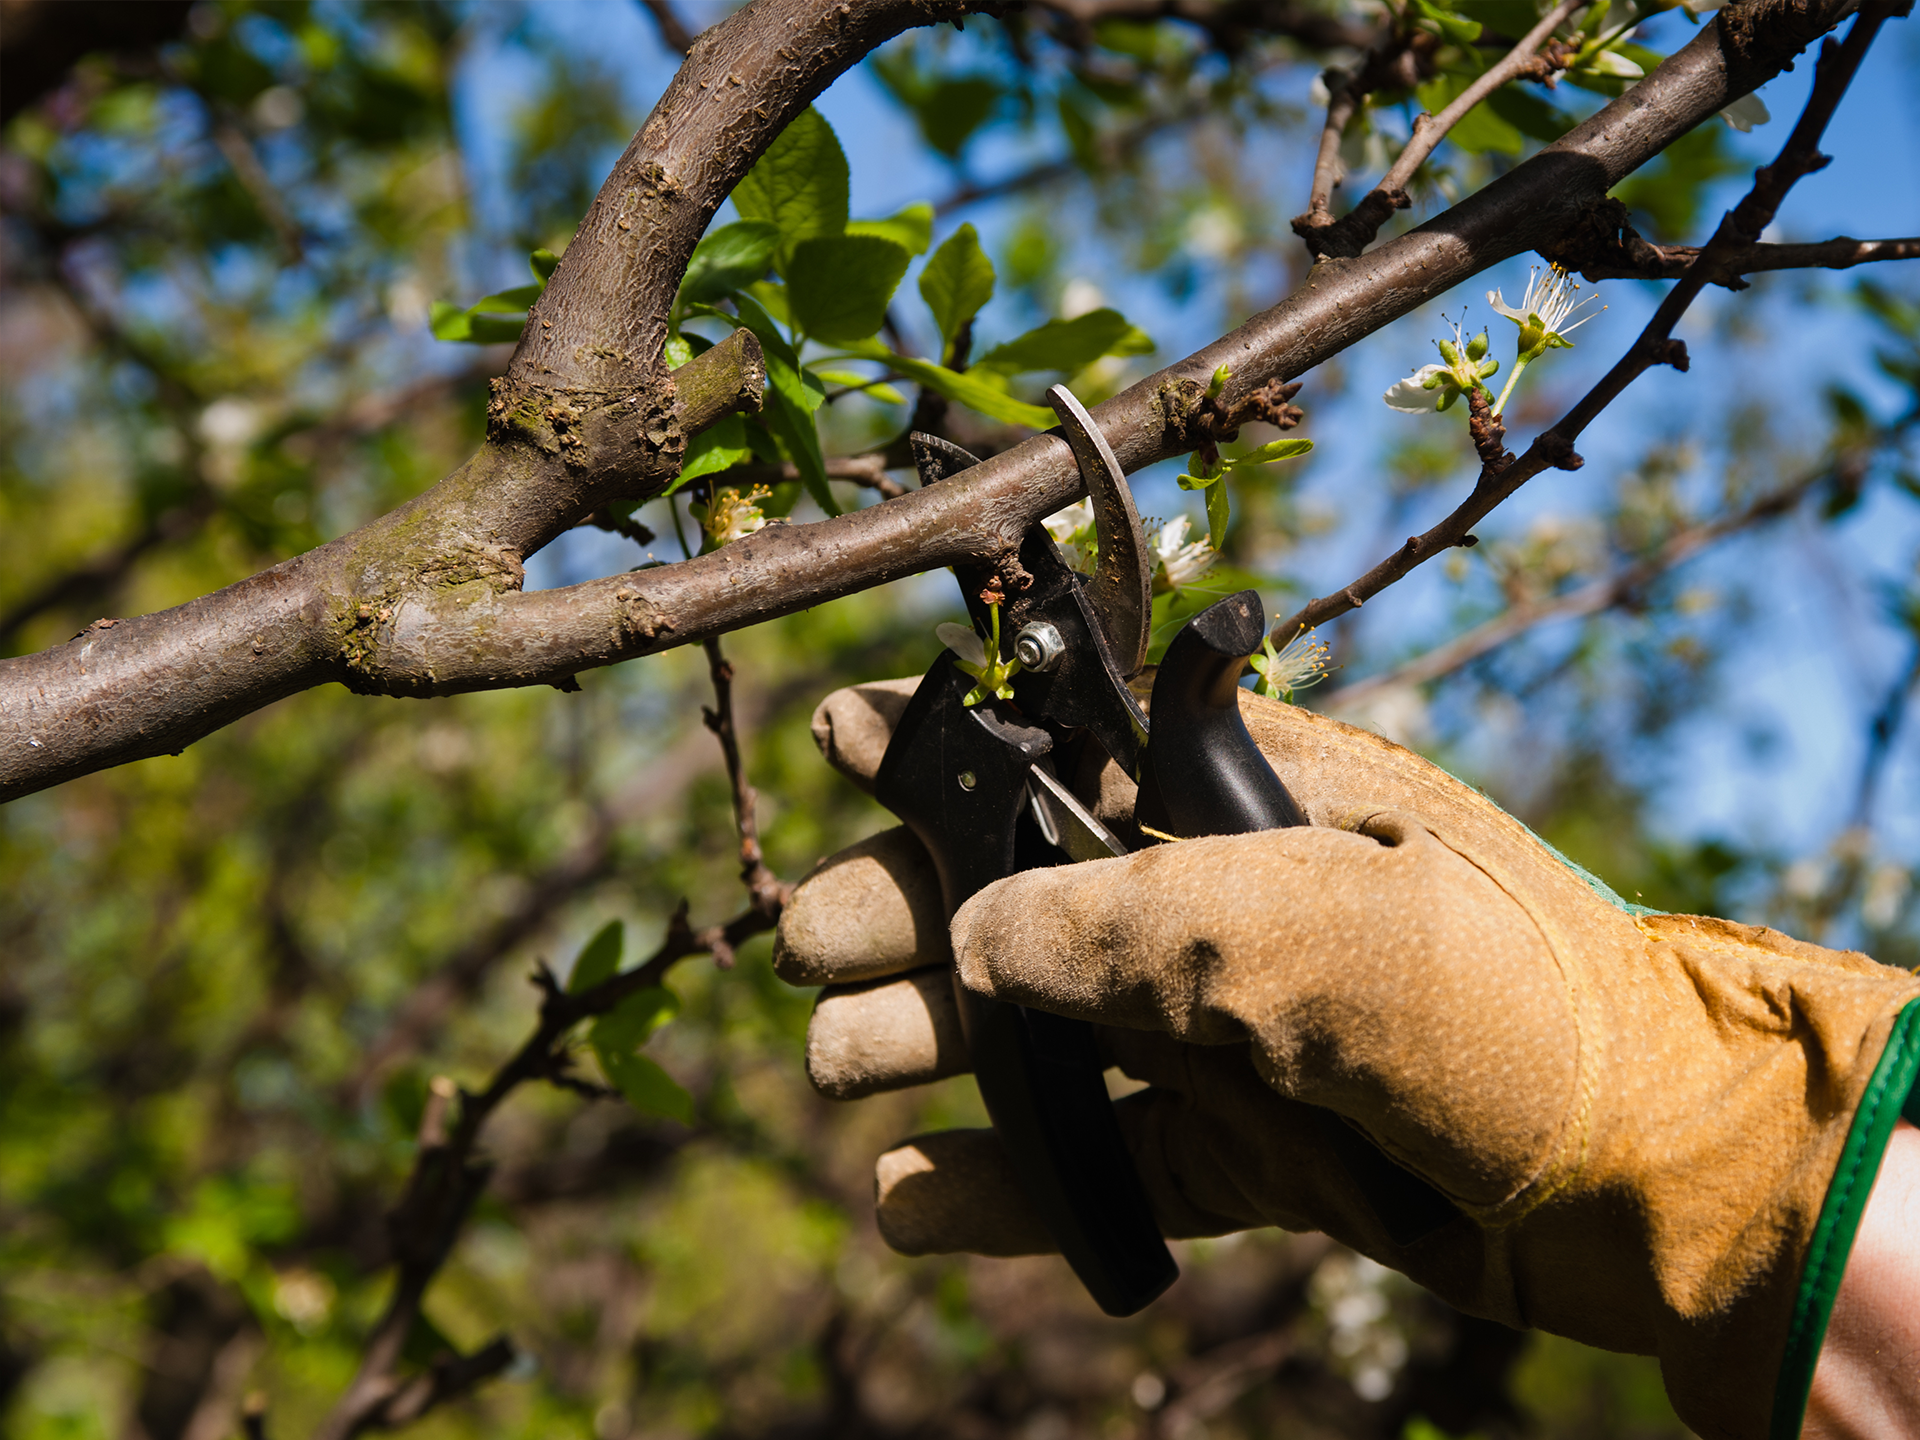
pixel 1122 584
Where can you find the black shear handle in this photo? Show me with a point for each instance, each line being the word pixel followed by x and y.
pixel 1201 773
pixel 957 777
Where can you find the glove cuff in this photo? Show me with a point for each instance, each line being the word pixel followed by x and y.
pixel 1890 1093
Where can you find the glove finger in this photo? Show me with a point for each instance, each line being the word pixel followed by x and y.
pixel 956 1190
pixel 1140 940
pixel 872 910
pixel 885 1035
pixel 852 726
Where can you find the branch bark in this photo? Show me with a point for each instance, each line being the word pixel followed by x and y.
pixel 426 600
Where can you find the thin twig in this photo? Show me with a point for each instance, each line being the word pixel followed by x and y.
pixel 1354 231
pixel 1395 63
pixel 1881 733
pixel 1741 226
pixel 1642 260
pixel 868 471
pixel 253 178
pixel 767 890
pixel 1618 588
pixel 447 1180
pixel 673 31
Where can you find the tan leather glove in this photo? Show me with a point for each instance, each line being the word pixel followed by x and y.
pixel 1658 1130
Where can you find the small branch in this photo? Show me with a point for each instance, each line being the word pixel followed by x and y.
pixel 1656 346
pixel 1881 733
pixel 1637 259
pixel 767 890
pixel 253 178
pixel 673 31
pixel 1618 588
pixel 1396 62
pixel 447 1180
pixel 1352 233
pixel 868 471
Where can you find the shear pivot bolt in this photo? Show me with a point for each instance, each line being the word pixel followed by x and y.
pixel 1038 646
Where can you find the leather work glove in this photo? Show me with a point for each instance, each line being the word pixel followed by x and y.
pixel 1656 1132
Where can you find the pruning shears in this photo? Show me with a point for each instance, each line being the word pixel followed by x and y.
pixel 986 788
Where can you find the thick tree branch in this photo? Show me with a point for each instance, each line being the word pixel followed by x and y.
pixel 600 325
pixel 1740 227
pixel 425 601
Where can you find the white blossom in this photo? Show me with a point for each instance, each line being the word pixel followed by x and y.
pixel 1746 112
pixel 962 640
pixel 1072 529
pixel 1420 393
pixel 1182 560
pixel 1544 310
pixel 733 515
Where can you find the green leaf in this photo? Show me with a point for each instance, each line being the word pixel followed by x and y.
pixel 1510 18
pixel 1077 126
pixel 729 258
pixel 719 447
pixel 954 109
pixel 1529 114
pixel 771 296
pixel 449 322
pixel 792 397
pixel 839 285
pixel 1271 451
pixel 956 282
pixel 544 263
pixel 1217 515
pixel 599 959
pixel 911 227
pixel 508 302
pixel 1479 130
pixel 1670 192
pixel 966 389
pixel 799 186
pixel 629 1025
pixel 617 1035
pixel 948 109
pixel 1455 28
pixel 878 389
pixel 1068 345
pixel 676 352
pixel 648 1088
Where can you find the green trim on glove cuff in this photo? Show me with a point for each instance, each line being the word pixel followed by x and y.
pixel 1889 1092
